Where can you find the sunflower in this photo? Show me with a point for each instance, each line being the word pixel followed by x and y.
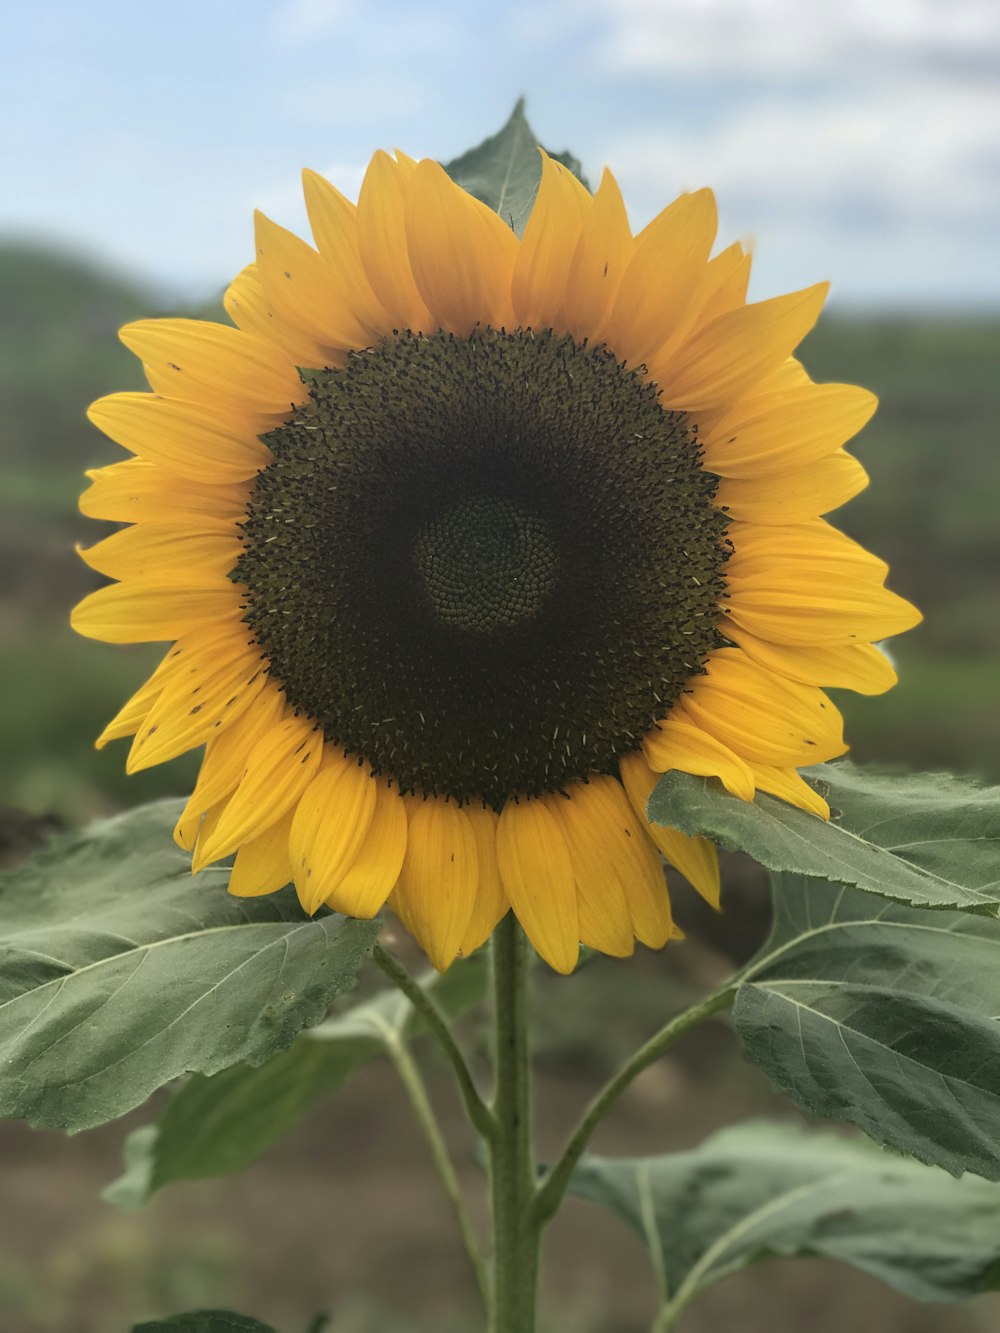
pixel 463 539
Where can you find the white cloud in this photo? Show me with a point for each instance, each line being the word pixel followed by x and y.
pixel 857 137
pixel 761 37
pixel 892 194
pixel 895 153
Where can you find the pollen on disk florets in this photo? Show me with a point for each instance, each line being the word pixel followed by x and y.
pixel 488 564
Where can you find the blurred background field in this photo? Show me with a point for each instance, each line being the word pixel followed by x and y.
pixel 858 143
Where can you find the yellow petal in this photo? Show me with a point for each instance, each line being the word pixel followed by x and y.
pixel 828 552
pixel 724 284
pixel 148 610
pixel 664 274
pixel 461 253
pixel 793 497
pixel 601 256
pixel 491 904
pixel 149 549
pixel 537 874
pixel 373 873
pixel 225 760
pixel 437 888
pixel 641 871
pixel 333 818
pixel 595 849
pixel 334 223
pixel 214 364
pixel 246 305
pixel 786 784
pixel 783 429
pixel 679 743
pixel 763 718
pixel 721 287
pixel 855 666
pixel 610 851
pixel 696 858
pixel 263 865
pixel 799 602
pixel 303 289
pixel 223 676
pixel 382 242
pixel 787 378
pixel 134 491
pixel 332 217
pixel 788 608
pixel 278 770
pixel 183 438
pixel 129 717
pixel 204 830
pixel 541 270
pixel 726 358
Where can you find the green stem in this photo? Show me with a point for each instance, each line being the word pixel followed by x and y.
pixel 480 1115
pixel 516 1236
pixel 557 1178
pixel 416 1090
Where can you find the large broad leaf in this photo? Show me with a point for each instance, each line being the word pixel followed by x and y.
pixel 505 170
pixel 205 1321
pixel 930 840
pixel 119 971
pixel 882 1015
pixel 763 1190
pixel 214 1126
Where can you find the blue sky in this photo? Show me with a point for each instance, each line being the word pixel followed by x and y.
pixel 846 139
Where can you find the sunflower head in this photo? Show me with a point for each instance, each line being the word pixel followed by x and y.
pixel 461 538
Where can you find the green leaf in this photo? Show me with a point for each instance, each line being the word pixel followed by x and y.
pixel 505 170
pixel 884 1016
pixel 760 1191
pixel 120 971
pixel 929 840
pixel 205 1321
pixel 215 1126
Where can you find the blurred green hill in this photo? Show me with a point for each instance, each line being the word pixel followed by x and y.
pixel 59 318
pixel 58 346
pixel 931 452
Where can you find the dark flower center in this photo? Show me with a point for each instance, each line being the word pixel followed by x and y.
pixel 488 565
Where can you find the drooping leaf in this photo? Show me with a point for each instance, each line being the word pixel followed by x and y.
pixel 884 1016
pixel 927 839
pixel 762 1190
pixel 205 1321
pixel 218 1125
pixel 120 971
pixel 504 171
